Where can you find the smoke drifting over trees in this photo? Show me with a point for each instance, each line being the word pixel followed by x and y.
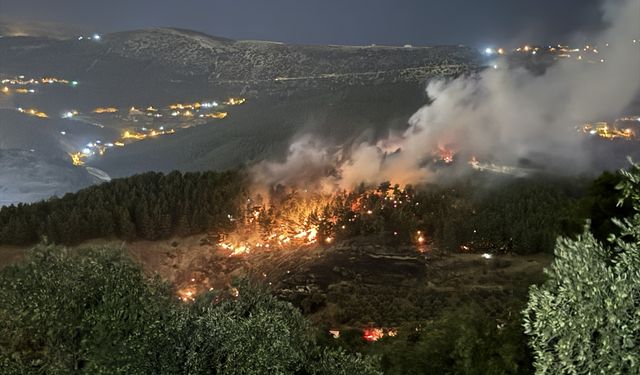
pixel 505 115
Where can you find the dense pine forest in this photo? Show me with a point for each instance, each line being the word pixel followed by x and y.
pixel 149 206
pixel 483 213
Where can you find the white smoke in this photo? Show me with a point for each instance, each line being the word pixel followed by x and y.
pixel 308 164
pixel 504 114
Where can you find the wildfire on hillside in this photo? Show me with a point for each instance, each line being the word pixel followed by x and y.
pixel 196 286
pixel 446 155
pixel 294 221
pixel 303 218
pixel 375 334
pixel 187 293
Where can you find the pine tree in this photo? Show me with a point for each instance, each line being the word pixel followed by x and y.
pixel 143 220
pixel 125 227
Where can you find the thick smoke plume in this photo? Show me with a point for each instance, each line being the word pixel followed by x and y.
pixel 505 115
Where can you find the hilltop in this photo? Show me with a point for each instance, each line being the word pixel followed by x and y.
pixel 141 59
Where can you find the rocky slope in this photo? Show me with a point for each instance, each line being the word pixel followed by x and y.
pixel 228 61
pixel 137 60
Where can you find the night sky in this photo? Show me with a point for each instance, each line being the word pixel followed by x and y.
pixel 396 22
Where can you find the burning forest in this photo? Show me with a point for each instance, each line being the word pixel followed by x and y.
pixel 342 207
pixel 295 218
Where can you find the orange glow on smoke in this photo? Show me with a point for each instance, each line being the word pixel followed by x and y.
pixel 446 155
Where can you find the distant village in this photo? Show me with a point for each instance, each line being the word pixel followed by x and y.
pixel 627 128
pixel 138 123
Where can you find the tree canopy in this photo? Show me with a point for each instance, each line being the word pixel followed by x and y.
pixel 93 311
pixel 586 317
pixel 149 206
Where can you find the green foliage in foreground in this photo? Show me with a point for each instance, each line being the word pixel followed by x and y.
pixel 467 340
pixel 94 312
pixel 586 317
pixel 603 208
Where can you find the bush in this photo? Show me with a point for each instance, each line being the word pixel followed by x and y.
pixel 94 311
pixel 464 341
pixel 586 317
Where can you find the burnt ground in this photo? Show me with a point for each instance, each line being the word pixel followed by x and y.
pixel 354 283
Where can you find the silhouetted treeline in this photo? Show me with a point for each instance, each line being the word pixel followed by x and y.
pixel 149 206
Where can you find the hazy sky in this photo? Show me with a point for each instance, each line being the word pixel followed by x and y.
pixel 420 22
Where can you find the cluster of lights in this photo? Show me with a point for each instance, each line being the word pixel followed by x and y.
pixel 70 114
pixel 6 90
pixel 77 157
pixel 98 147
pixel 189 109
pixel 100 110
pixel 559 51
pixel 32 112
pixel 20 81
pixel 209 104
pixel 489 51
pixel 94 37
pixel 235 101
pixel 91 149
pixel 621 129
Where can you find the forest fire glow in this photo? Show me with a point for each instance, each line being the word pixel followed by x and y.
pixel 187 294
pixel 446 155
pixel 299 219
